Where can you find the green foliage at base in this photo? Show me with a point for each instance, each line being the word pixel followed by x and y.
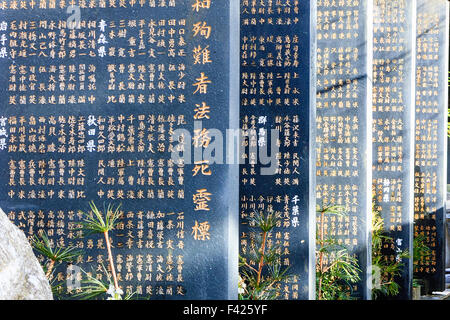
pixel 384 270
pixel 337 271
pixel 260 270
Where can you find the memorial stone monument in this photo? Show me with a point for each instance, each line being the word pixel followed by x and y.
pixel 393 129
pixel 194 115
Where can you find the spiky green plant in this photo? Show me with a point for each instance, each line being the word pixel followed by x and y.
pixel 420 252
pixel 54 255
pixel 384 285
pixel 91 287
pixel 94 287
pixel 334 279
pixel 260 270
pixel 98 222
pixel 103 222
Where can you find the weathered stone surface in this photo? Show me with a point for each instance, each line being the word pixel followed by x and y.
pixel 21 276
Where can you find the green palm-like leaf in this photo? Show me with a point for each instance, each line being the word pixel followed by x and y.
pixel 265 222
pixel 92 287
pixel 260 268
pixel 98 222
pixel 389 269
pixel 334 210
pixel 41 244
pixel 421 250
pixel 336 277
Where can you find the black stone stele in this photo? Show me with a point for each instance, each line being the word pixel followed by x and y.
pixel 393 130
pixel 88 115
pixel 430 139
pixel 277 93
pixel 344 117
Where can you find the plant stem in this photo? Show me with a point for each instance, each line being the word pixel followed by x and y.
pixel 250 267
pixel 261 260
pixel 111 260
pixel 51 265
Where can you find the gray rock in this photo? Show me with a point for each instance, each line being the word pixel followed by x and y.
pixel 21 276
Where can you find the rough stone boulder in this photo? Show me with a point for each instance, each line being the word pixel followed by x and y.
pixel 21 276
